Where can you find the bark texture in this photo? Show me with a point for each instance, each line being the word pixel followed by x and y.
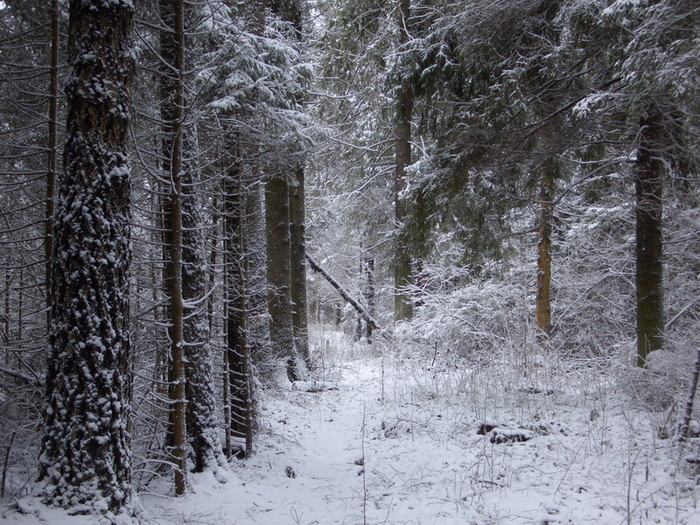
pixel 199 391
pixel 180 153
pixel 256 276
pixel 86 455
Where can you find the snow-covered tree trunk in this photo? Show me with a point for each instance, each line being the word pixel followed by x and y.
pixel 292 175
pixel 86 456
pixel 649 236
pixel 256 275
pixel 369 293
pixel 199 390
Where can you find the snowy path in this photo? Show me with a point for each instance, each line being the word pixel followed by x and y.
pixel 424 463
pixel 396 443
pixel 306 469
pixel 317 439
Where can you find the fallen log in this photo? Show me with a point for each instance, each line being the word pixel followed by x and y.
pixel 344 293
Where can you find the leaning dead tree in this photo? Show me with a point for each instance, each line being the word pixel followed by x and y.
pixel 685 426
pixel 344 293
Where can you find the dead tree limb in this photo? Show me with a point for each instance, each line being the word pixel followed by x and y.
pixel 18 375
pixel 343 293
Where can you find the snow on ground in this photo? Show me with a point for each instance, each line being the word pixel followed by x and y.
pixel 402 439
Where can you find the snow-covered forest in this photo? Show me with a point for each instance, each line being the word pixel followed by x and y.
pixel 354 262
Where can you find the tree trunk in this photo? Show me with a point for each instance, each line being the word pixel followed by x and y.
pixel 344 294
pixel 256 275
pixel 237 349
pixel 279 274
pixel 544 248
pixel 52 146
pixel 201 401
pixel 649 237
pixel 86 454
pixel 403 307
pixel 172 109
pixel 369 293
pixel 297 233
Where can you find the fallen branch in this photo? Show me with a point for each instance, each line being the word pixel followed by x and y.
pixel 344 294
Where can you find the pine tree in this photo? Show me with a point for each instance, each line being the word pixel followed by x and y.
pixel 238 373
pixel 284 215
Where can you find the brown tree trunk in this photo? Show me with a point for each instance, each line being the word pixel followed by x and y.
pixel 237 350
pixel 201 402
pixel 256 275
pixel 279 274
pixel 403 307
pixel 369 293
pixel 172 109
pixel 544 248
pixel 649 237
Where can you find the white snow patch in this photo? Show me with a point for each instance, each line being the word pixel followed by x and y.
pixel 396 442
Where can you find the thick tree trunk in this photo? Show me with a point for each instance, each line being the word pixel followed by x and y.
pixel 279 274
pixel 544 248
pixel 290 169
pixel 403 307
pixel 86 454
pixel 649 237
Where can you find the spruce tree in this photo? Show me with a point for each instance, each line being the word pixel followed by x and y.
pixel 86 456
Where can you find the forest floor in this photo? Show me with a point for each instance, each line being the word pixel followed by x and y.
pixel 411 438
